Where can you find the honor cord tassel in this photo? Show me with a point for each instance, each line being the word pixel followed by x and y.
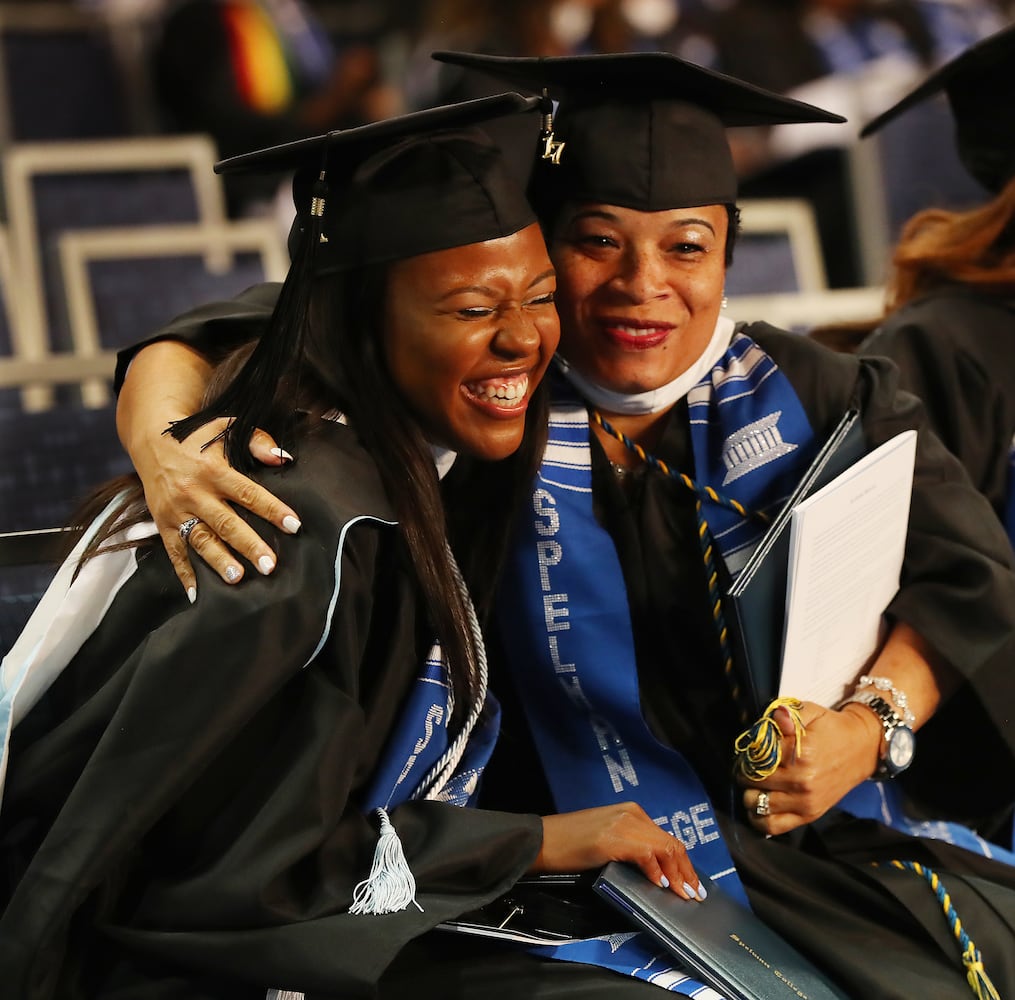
pixel 759 749
pixel 976 974
pixel 390 886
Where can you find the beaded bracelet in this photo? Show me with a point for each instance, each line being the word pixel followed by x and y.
pixel 884 685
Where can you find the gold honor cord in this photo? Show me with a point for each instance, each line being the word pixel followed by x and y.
pixel 976 974
pixel 707 550
pixel 759 748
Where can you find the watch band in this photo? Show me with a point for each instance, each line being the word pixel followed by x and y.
pixel 890 722
pixel 887 716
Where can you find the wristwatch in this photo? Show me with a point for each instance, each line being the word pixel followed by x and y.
pixel 900 741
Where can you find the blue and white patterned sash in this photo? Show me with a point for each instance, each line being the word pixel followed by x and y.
pixel 885 802
pixel 420 738
pixel 566 621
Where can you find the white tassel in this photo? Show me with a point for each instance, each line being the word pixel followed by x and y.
pixel 390 887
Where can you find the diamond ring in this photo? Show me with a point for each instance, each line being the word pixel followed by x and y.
pixel 188 526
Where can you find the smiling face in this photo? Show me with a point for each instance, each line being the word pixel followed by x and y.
pixel 638 293
pixel 468 334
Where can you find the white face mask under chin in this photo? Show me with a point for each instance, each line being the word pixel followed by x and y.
pixel 663 396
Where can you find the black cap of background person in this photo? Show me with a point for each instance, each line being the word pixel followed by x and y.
pixel 388 191
pixel 643 130
pixel 980 85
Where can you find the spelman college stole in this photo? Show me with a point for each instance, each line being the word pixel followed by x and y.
pixel 567 626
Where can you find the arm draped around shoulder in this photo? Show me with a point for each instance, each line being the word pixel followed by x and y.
pixel 202 793
pixel 214 329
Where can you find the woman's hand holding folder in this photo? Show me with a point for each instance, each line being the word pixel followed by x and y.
pixel 842 747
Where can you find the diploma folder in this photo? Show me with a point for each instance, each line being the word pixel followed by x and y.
pixel 723 943
pixel 757 598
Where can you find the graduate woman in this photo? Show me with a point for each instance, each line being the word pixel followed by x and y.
pixel 951 299
pixel 245 790
pixel 626 686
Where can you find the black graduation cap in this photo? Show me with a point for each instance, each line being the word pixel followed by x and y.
pixel 422 182
pixel 401 187
pixel 980 85
pixel 644 130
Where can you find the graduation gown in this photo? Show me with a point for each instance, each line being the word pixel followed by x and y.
pixel 183 812
pixel 815 886
pixel 878 932
pixel 955 348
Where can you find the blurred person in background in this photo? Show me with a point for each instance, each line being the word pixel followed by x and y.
pixel 950 322
pixel 852 56
pixel 257 73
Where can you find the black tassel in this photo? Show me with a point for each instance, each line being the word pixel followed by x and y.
pixel 252 398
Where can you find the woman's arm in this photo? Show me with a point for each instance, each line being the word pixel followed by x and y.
pixel 590 838
pixel 166 381
pixel 842 748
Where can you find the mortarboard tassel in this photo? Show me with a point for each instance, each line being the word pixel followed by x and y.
pixel 390 886
pixel 252 395
pixel 759 748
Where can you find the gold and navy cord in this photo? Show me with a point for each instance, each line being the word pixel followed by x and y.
pixel 976 974
pixel 759 747
pixel 706 543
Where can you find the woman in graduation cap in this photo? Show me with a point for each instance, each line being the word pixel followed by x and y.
pixel 242 791
pixel 668 424
pixel 951 297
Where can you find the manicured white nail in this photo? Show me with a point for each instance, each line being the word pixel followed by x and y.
pixel 291 524
pixel 192 594
pixel 689 889
pixel 664 881
pixel 265 565
pixel 702 892
pixel 233 573
pixel 281 453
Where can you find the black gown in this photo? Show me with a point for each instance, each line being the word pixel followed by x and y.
pixel 955 348
pixel 183 812
pixel 878 932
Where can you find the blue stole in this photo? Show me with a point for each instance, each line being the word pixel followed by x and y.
pixel 567 627
pixel 886 802
pixel 421 737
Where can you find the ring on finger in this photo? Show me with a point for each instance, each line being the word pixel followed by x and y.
pixel 762 807
pixel 188 526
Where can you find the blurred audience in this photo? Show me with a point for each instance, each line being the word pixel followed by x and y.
pixel 852 56
pixel 255 73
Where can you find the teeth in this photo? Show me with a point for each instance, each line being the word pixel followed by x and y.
pixel 501 391
pixel 635 331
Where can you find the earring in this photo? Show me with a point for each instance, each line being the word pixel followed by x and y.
pixel 723 302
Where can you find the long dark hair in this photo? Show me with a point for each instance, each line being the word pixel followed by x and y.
pixel 342 365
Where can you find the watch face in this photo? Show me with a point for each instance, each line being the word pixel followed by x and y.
pixel 901 747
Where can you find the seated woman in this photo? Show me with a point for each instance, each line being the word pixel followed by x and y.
pixel 623 677
pixel 194 788
pixel 950 324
